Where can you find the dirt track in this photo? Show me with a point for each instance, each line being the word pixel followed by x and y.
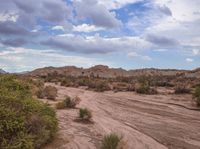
pixel 144 121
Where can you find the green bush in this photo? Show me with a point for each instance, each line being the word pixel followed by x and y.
pixel 85 114
pixel 25 123
pixel 110 141
pixel 197 95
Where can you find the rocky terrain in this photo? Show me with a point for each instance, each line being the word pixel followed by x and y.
pixel 163 121
pixel 106 72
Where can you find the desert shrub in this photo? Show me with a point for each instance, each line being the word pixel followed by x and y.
pixel 40 93
pixel 197 95
pixel 25 123
pixel 68 103
pixel 50 92
pixel 146 89
pixel 82 81
pixel 181 90
pixel 85 114
pixel 66 83
pixel 163 84
pixel 120 86
pixel 99 85
pixel 111 141
pixel 143 89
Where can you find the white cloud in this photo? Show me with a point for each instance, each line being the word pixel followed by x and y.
pixel 23 59
pixel 116 4
pixel 189 60
pixel 196 52
pixel 8 17
pixel 58 28
pixel 136 55
pixel 97 44
pixel 182 10
pixel 87 28
pixel 97 13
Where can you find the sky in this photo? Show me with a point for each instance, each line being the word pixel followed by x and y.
pixel 130 34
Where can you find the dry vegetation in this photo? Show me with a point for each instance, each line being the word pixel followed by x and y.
pixel 33 124
pixel 68 103
pixel 111 141
pixel 48 92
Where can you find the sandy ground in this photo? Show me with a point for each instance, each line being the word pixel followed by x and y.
pixel 144 121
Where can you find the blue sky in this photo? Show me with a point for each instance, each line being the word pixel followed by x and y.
pixel 119 33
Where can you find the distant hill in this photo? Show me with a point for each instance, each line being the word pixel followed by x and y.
pixel 2 71
pixel 106 72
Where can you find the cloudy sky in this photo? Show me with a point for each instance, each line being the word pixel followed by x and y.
pixel 118 33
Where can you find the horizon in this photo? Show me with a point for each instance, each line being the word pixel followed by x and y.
pixel 18 72
pixel 131 34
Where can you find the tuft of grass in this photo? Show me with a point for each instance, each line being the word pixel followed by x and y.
pixel 85 114
pixel 111 141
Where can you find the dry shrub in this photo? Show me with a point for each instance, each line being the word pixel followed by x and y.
pixel 40 93
pixel 99 85
pixel 68 103
pixel 146 89
pixel 181 90
pixel 120 86
pixel 50 92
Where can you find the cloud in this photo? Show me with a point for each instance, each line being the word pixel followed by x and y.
pixel 11 28
pixel 195 52
pixel 161 41
pixel 14 42
pixel 164 9
pixel 58 28
pixel 86 28
pixel 97 13
pixel 117 4
pixel 18 59
pixel 54 11
pixel 96 44
pixel 189 60
pixel 136 55
pixel 8 17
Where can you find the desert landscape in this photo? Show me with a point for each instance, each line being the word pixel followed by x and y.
pixel 144 111
pixel 144 121
pixel 99 74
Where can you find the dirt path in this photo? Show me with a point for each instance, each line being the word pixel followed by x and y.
pixel 145 122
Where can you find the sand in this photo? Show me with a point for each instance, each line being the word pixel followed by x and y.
pixel 144 121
